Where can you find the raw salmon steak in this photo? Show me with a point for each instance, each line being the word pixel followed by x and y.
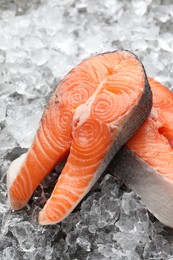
pixel 92 113
pixel 145 163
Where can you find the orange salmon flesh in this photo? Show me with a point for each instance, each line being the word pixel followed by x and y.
pixel 82 122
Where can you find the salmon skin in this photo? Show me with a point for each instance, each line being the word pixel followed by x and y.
pixel 92 113
pixel 145 163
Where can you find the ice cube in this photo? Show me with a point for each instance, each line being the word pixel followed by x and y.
pixel 2 110
pixel 22 122
pixel 10 253
pixel 140 7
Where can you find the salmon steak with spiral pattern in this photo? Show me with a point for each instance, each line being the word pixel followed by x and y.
pixel 94 110
pixel 145 163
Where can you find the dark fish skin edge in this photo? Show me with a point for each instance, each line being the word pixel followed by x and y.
pixel 155 190
pixel 135 118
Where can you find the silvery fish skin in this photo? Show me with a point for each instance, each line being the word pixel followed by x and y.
pixel 155 190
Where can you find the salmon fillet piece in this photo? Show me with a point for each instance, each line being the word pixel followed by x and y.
pixel 94 110
pixel 146 162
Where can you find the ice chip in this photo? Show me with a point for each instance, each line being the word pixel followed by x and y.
pixel 2 110
pixel 10 253
pixel 6 242
pixel 84 243
pixel 140 7
pixel 158 248
pixel 22 122
pixel 40 56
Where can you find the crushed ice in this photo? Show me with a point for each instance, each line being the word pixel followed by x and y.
pixel 40 41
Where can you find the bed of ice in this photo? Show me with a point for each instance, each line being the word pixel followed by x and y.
pixel 40 41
